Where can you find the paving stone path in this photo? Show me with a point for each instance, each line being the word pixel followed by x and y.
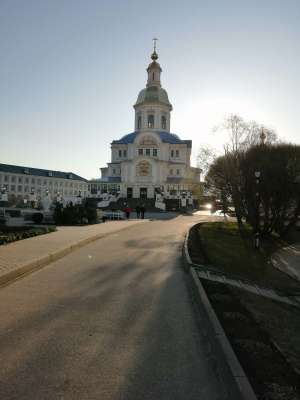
pixel 16 255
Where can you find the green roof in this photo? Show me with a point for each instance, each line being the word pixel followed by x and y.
pixel 153 94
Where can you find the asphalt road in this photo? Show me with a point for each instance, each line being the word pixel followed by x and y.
pixel 113 320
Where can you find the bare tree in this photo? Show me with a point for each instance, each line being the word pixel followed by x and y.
pixel 205 157
pixel 244 134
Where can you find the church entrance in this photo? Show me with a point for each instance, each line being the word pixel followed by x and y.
pixel 143 193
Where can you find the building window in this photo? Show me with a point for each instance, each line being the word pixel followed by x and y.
pixel 6 178
pixel 151 121
pixel 140 152
pixel 13 188
pixel 154 152
pixel 178 171
pixel 124 153
pixel 171 172
pixel 153 76
pixel 139 122
pixel 120 153
pixel 114 171
pixel 172 153
pixel 147 152
pixel 39 182
pixel 13 179
pixel 33 180
pixel 19 188
pixel 163 122
pixel 177 153
pixel 26 180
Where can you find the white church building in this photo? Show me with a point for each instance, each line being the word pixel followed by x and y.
pixel 151 159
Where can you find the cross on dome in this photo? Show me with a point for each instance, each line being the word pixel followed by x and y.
pixel 154 55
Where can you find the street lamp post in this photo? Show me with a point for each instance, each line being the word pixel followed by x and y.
pixel 262 136
pixel 257 201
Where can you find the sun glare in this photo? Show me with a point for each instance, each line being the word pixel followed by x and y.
pixel 201 119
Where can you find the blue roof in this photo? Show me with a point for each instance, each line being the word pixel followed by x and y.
pixel 165 137
pixel 17 169
pixel 126 139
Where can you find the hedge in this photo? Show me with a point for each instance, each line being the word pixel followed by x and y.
pixel 12 236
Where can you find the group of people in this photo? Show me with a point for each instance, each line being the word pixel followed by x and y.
pixel 140 211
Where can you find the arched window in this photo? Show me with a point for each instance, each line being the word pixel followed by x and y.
pixel 163 122
pixel 139 122
pixel 151 121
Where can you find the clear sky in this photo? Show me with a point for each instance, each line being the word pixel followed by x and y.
pixel 70 71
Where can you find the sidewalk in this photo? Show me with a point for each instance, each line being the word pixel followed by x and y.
pixel 24 256
pixel 287 260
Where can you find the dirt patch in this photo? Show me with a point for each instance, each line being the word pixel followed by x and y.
pixel 263 333
pixel 269 371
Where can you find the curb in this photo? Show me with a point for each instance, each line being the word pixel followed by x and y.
pixel 219 337
pixel 39 263
pixel 277 262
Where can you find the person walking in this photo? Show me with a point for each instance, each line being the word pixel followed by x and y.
pixel 143 210
pixel 138 211
pixel 127 211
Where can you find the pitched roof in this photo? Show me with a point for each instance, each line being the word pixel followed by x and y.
pixel 165 137
pixel 16 169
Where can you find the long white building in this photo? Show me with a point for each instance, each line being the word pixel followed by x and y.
pixel 27 183
pixel 151 159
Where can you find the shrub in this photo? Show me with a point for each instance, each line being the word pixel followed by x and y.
pixel 75 214
pixel 10 236
pixel 37 218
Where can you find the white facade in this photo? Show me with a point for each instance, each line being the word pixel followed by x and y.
pixel 24 183
pixel 151 159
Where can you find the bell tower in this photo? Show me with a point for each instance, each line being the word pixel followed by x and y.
pixel 152 108
pixel 154 69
